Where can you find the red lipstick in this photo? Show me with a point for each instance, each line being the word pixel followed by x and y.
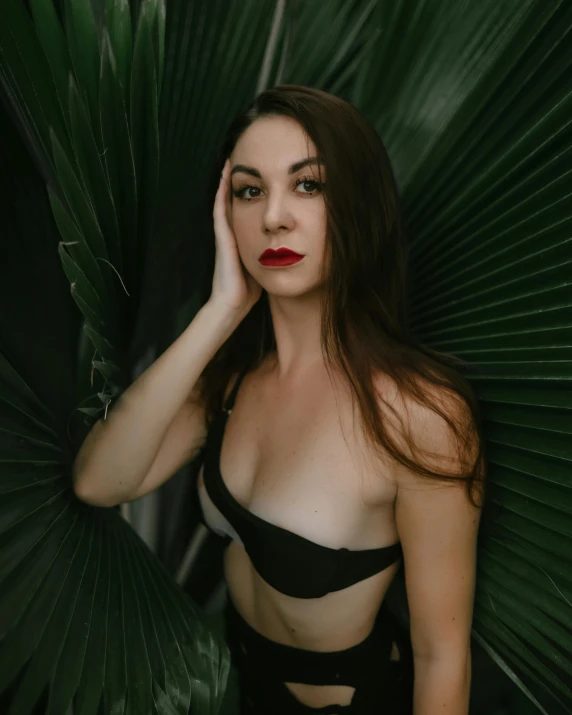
pixel 279 257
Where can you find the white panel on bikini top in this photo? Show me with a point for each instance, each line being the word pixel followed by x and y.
pixel 213 517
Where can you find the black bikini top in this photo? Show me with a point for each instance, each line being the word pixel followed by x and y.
pixel 290 563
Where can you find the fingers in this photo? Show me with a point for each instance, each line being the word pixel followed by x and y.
pixel 220 212
pixel 227 190
pixel 223 192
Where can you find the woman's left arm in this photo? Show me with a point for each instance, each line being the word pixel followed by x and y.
pixel 437 527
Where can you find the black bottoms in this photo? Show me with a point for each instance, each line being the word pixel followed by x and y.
pixel 264 666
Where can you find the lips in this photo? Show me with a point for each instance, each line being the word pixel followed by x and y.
pixel 271 253
pixel 279 257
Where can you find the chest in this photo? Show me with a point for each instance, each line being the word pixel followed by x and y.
pixel 300 462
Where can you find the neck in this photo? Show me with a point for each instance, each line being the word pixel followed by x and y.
pixel 297 330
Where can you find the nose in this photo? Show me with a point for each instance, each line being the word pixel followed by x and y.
pixel 277 215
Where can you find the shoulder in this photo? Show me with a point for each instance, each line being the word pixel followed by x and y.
pixel 435 516
pixel 436 430
pixel 242 379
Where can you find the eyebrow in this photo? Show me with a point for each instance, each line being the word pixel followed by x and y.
pixel 291 170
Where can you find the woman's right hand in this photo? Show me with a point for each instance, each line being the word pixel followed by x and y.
pixel 233 288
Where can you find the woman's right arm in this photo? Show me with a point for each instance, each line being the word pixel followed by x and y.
pixel 158 423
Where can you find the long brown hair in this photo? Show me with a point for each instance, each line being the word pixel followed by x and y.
pixel 364 326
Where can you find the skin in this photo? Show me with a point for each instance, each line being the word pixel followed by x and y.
pixel 435 522
pixel 281 213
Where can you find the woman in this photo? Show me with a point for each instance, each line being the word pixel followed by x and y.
pixel 335 446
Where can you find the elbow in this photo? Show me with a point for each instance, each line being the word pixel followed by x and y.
pixel 83 489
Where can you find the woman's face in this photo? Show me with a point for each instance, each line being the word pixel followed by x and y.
pixel 276 204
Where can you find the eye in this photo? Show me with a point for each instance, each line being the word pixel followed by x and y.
pixel 308 180
pixel 315 186
pixel 239 193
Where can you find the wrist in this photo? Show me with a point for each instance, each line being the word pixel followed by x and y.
pixel 225 318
